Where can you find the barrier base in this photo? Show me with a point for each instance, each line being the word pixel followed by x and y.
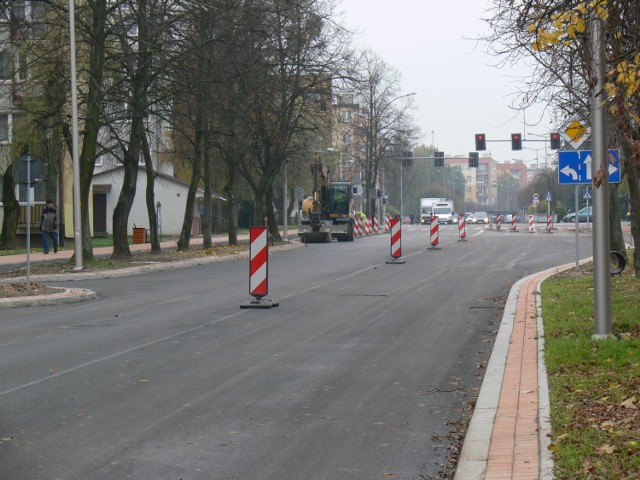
pixel 434 247
pixel 394 261
pixel 462 239
pixel 260 303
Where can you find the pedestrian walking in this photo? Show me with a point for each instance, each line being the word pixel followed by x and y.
pixel 49 227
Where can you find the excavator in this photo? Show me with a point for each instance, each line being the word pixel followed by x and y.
pixel 327 213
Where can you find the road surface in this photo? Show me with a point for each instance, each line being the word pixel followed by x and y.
pixel 366 370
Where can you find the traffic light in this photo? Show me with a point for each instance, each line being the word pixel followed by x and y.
pixel 481 142
pixel 516 141
pixel 438 159
pixel 555 140
pixel 407 159
pixel 473 159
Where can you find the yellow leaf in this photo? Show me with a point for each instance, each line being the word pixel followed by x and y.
pixel 629 402
pixel 606 449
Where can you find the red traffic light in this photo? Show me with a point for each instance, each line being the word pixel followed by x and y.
pixel 481 142
pixel 516 141
pixel 554 138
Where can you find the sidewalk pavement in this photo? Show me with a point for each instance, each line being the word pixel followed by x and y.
pixel 509 431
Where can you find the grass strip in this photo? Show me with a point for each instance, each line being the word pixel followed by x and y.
pixel 594 385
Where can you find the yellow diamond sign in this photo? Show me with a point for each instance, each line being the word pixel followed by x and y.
pixel 575 132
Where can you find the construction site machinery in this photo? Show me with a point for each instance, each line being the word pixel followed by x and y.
pixel 326 214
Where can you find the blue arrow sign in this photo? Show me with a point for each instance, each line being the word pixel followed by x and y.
pixel 575 167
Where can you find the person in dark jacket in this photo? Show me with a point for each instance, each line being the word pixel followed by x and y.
pixel 49 227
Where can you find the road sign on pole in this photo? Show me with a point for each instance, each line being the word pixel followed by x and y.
pixel 575 132
pixel 575 167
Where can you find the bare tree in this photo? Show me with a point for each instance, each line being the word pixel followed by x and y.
pixel 384 124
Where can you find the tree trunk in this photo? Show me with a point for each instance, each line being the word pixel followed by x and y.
pixel 272 221
pixel 152 214
pixel 128 192
pixel 208 204
pixel 11 212
pixel 616 239
pixel 632 174
pixel 187 222
pixel 94 101
pixel 232 218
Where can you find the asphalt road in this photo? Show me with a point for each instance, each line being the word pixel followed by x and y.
pixel 365 370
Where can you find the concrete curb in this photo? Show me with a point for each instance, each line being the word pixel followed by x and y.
pixel 544 403
pixel 474 455
pixel 67 295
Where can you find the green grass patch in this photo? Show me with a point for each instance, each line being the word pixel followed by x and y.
pixel 594 385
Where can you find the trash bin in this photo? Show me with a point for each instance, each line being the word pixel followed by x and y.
pixel 139 235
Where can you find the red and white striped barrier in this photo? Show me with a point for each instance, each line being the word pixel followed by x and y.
pixel 549 223
pixel 258 269
pixel 376 227
pixel 435 232
pixel 367 226
pixel 514 219
pixel 356 227
pixel 498 221
pixel 387 223
pixel 396 237
pixel 462 230
pixel 532 224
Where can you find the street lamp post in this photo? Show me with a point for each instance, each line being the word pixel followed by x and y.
pixel 77 223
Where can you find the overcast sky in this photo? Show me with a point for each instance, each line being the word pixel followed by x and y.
pixel 459 92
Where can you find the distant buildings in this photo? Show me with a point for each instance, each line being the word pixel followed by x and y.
pixel 493 184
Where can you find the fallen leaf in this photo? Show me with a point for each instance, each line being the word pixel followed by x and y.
pixel 629 402
pixel 606 449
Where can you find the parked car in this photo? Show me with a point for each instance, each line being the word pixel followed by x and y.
pixel 406 221
pixel 582 215
pixel 480 217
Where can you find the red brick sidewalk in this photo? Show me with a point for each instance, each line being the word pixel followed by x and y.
pixel 514 452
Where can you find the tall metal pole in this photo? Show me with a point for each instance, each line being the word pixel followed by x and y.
pixel 285 223
pixel 77 230
pixel 401 194
pixel 29 157
pixel 600 173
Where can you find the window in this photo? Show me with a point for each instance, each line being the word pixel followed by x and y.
pixel 346 116
pixel 468 189
pixel 18 10
pixel 5 65
pixel 36 192
pixel 4 128
pixel 515 173
pixel 482 167
pixel 21 67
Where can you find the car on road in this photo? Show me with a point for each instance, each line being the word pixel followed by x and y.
pixel 582 215
pixel 480 217
pixel 406 221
